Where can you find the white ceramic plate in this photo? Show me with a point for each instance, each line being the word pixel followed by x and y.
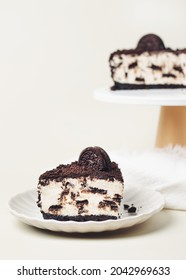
pixel 148 202
pixel 164 97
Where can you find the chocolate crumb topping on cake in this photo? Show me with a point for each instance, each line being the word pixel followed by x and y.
pixel 93 161
pixel 148 43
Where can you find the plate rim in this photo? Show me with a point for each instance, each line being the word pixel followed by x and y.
pixel 149 97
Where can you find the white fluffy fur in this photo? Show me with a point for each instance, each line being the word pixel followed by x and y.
pixel 161 169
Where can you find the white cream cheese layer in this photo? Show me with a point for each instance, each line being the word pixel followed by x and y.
pixel 153 68
pixel 69 193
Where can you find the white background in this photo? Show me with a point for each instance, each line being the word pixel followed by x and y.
pixel 53 54
pixel 102 270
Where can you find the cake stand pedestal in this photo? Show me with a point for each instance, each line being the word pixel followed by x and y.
pixel 172 120
pixel 172 126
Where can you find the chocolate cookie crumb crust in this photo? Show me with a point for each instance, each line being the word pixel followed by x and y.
pixel 79 218
pixel 118 86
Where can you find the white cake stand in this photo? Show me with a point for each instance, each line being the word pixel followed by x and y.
pixel 172 120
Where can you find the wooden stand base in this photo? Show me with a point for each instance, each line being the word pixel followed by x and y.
pixel 172 126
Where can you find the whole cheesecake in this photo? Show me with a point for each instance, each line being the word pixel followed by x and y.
pixel 88 189
pixel 150 65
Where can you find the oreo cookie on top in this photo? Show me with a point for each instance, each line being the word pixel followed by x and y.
pixel 150 65
pixel 90 188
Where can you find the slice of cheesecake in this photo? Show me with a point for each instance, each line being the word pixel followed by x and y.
pixel 88 189
pixel 150 65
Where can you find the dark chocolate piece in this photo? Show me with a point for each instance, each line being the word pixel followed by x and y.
pixel 150 42
pixel 96 190
pixel 132 209
pixel 133 65
pixel 95 158
pixel 64 193
pixel 169 75
pixel 140 79
pixel 55 208
pixel 82 202
pixel 72 195
pixel 178 68
pixel 117 198
pixel 155 67
pixel 107 203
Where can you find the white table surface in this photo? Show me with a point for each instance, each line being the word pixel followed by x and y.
pixel 161 237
